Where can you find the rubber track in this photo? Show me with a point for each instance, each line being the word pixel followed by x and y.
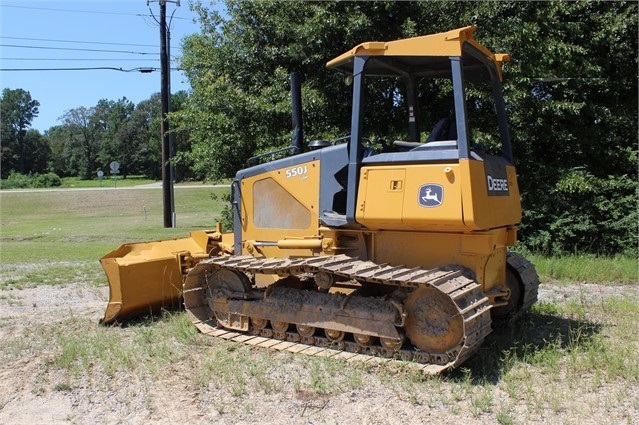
pixel 529 278
pixel 466 293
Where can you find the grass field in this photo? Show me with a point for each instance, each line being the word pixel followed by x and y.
pixel 572 359
pixel 106 182
pixel 83 225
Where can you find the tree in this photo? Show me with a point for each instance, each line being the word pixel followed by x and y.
pixel 182 160
pixel 37 151
pixel 64 155
pixel 146 119
pixel 118 141
pixel 18 110
pixel 572 95
pixel 239 70
pixel 84 128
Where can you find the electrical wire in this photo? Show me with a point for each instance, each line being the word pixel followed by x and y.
pixel 81 11
pixel 143 70
pixel 145 17
pixel 75 49
pixel 78 42
pixel 80 59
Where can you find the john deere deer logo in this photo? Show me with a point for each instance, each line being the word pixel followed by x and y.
pixel 430 195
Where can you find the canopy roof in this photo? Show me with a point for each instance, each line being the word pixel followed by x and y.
pixel 426 55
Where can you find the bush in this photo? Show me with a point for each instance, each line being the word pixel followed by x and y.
pixel 16 181
pixel 47 180
pixel 21 181
pixel 583 214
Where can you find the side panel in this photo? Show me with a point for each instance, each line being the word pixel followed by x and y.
pixel 490 194
pixel 411 197
pixel 280 204
pixel 383 202
pixel 466 196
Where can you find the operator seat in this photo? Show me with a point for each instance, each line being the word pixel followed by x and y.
pixel 444 129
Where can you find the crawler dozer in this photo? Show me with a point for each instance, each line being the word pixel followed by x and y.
pixel 358 249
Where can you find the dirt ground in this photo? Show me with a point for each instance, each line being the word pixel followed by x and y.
pixel 31 390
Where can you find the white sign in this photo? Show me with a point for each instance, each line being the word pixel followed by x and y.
pixel 115 167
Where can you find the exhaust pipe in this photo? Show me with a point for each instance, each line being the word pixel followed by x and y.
pixel 296 100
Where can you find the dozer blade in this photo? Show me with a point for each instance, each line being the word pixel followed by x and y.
pixel 146 277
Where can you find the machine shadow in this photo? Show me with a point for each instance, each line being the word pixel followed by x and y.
pixel 520 341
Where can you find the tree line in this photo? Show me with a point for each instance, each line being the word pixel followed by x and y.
pixel 87 139
pixel 570 87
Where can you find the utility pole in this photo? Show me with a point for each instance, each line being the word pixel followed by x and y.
pixel 165 95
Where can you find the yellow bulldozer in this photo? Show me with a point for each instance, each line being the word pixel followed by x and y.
pixel 349 249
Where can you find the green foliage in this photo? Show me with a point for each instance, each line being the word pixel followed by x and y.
pixel 23 149
pixel 575 126
pixel 226 215
pixel 82 129
pixel 47 180
pixel 584 213
pixel 106 181
pixel 16 181
pixel 89 139
pixel 20 181
pixel 239 71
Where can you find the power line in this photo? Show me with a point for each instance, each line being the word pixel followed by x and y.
pixel 80 59
pixel 143 70
pixel 78 42
pixel 82 11
pixel 74 49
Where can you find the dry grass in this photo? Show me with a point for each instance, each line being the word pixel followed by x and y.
pixel 569 361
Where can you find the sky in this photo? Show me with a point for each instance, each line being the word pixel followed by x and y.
pixel 75 34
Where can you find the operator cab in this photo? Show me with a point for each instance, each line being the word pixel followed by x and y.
pixel 471 76
pixel 468 88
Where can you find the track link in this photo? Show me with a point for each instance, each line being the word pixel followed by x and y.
pixel 470 302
